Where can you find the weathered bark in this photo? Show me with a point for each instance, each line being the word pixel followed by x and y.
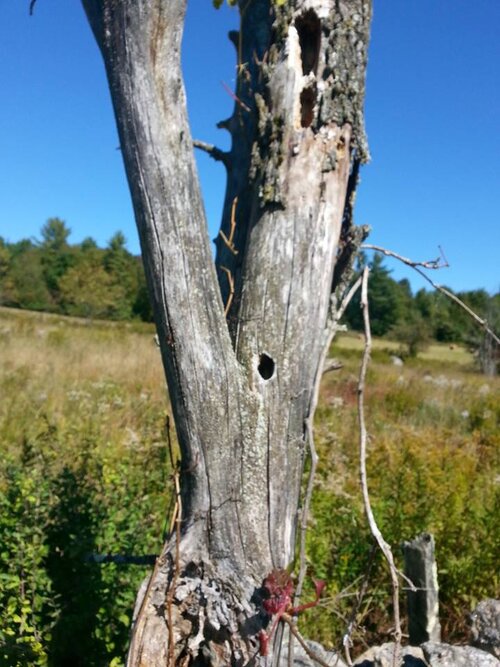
pixel 423 604
pixel 240 388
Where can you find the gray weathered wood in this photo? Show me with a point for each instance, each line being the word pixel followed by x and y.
pixel 485 626
pixel 241 387
pixel 423 604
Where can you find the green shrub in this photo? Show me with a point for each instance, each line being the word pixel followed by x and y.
pixel 432 466
pixel 58 505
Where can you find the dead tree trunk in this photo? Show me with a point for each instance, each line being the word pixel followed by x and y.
pixel 241 341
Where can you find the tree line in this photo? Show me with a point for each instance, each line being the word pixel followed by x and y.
pixel 83 280
pixel 417 319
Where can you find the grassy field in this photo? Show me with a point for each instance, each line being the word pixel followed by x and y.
pixel 455 355
pixel 82 439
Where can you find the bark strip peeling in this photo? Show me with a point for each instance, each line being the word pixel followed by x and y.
pixel 241 387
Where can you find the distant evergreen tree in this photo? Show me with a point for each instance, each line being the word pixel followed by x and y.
pixel 88 243
pixel 29 288
pixel 55 234
pixel 449 322
pixel 389 301
pixel 6 282
pixel 487 352
pixel 18 248
pixel 142 304
pixel 117 246
pixel 439 312
pixel 57 256
pixel 425 303
pixel 121 267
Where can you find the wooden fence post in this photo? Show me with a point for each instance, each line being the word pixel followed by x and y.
pixel 423 604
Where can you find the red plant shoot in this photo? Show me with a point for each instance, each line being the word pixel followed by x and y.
pixel 280 588
pixel 263 643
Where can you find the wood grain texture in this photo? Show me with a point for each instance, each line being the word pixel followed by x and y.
pixel 241 387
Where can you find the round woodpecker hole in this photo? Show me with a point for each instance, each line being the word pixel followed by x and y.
pixel 266 366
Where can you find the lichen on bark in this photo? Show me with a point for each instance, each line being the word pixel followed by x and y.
pixel 328 86
pixel 346 33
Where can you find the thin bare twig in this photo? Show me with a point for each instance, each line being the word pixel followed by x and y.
pixel 363 439
pixel 330 333
pixel 307 502
pixel 139 620
pixel 439 263
pixel 230 241
pixel 348 298
pixel 293 629
pixel 231 289
pixel 235 97
pixel 215 153
pixel 331 330
pixel 175 523
pixel 32 7
pixel 332 365
pixel 435 264
pixel 346 640
pixel 160 561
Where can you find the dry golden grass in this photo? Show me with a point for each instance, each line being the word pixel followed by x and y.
pixel 100 378
pixel 455 354
pixel 69 350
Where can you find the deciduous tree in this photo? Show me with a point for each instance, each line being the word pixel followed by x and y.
pixel 87 290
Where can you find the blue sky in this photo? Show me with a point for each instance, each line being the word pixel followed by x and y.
pixel 432 114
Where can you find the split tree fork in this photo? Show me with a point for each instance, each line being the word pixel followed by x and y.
pixel 242 341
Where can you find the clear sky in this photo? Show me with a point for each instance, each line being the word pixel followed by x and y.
pixel 432 114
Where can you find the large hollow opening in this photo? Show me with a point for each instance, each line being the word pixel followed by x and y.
pixel 266 366
pixel 309 29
